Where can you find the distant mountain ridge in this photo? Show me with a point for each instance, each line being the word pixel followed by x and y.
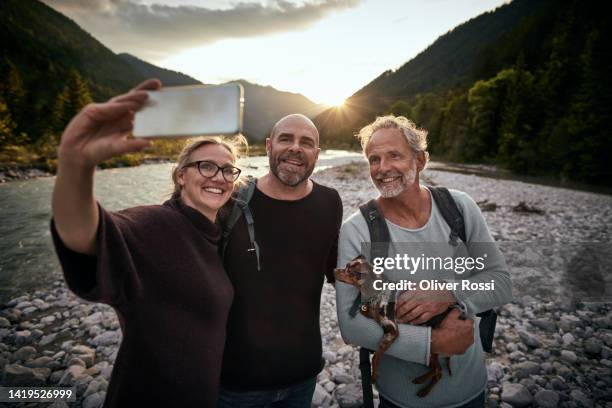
pixel 449 62
pixel 263 105
pixel 51 64
pixel 166 76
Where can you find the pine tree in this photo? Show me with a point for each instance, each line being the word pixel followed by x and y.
pixel 69 102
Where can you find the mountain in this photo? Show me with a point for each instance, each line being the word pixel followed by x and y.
pixel 263 105
pixel 166 76
pixel 526 87
pixel 449 62
pixel 51 67
pixel 42 52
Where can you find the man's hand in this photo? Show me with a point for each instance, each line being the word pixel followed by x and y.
pixel 418 306
pixel 453 336
pixel 100 130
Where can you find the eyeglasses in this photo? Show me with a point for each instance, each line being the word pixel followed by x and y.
pixel 210 169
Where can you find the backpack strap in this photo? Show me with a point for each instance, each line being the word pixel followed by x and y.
pixel 241 206
pixel 453 217
pixel 379 239
pixel 450 212
pixel 379 232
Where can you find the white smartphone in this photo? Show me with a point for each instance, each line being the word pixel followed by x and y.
pixel 186 111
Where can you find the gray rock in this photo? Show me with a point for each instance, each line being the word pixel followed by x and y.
pixel 568 322
pixel 526 369
pixel 48 339
pixel 329 356
pixel 93 319
pixel 107 338
pixel 345 350
pixel 558 384
pixel 581 399
pixel 320 397
pixel 544 324
pixel 94 400
pixel 546 399
pixel 569 356
pixel 47 320
pixel 20 376
pixel 75 361
pixel 495 372
pixel 4 322
pixel 17 375
pixel 516 395
pixel 71 375
pixel 44 361
pixel 349 396
pixel 568 339
pixel 343 378
pixel 529 339
pixel 23 354
pixel 23 337
pixel 56 376
pixel 593 346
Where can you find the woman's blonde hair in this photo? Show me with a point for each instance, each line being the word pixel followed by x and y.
pixel 236 145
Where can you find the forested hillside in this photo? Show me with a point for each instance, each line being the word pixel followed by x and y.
pixel 536 98
pixel 51 68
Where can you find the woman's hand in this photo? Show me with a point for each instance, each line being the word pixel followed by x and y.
pixel 418 306
pixel 99 132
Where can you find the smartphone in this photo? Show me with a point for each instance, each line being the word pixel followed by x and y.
pixel 187 111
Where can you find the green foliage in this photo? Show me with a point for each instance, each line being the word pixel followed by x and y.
pixel 69 102
pixel 538 101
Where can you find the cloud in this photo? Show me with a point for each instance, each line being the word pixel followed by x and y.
pixel 156 31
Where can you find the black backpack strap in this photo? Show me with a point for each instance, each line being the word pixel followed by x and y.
pixel 450 212
pixel 241 206
pixel 366 377
pixel 453 217
pixel 379 239
pixel 379 232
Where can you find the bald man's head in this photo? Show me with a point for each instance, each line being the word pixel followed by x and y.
pixel 293 149
pixel 294 120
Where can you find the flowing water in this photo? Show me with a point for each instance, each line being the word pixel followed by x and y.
pixel 27 257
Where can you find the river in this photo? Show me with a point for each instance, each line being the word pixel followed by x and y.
pixel 27 257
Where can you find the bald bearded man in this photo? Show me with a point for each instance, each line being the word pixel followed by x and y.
pixel 273 351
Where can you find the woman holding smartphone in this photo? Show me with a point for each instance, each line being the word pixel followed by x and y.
pixel 157 265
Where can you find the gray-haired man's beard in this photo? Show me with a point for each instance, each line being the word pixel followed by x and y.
pixel 397 187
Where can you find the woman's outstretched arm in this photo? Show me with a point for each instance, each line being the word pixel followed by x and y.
pixel 96 134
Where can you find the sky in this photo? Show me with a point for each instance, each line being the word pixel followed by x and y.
pixel 323 49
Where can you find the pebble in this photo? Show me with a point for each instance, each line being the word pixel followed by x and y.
pixel 516 395
pixel 546 399
pixel 529 339
pixel 349 396
pixel 569 356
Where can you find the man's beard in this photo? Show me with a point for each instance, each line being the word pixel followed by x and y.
pixel 290 175
pixel 395 188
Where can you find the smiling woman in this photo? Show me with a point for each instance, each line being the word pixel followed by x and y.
pixel 157 265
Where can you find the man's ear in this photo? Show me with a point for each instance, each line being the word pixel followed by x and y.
pixel 420 161
pixel 268 145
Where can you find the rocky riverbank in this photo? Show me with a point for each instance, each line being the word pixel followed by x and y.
pixel 549 351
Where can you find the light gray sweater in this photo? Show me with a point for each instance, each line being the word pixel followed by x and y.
pixel 407 358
